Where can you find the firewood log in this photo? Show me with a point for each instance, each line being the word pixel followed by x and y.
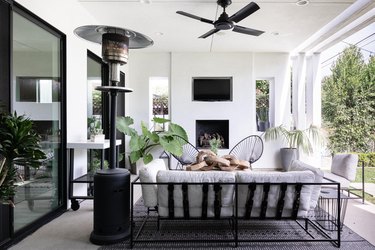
pixel 197 166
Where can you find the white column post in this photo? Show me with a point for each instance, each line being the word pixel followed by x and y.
pixel 298 90
pixel 313 97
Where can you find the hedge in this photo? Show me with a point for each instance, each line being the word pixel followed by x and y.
pixel 368 158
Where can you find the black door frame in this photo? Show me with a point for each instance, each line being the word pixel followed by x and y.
pixel 7 8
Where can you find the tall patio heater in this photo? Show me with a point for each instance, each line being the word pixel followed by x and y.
pixel 112 186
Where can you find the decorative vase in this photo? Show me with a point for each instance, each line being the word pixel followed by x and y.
pixel 287 156
pixel 263 126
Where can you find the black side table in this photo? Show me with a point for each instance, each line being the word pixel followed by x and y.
pixel 327 209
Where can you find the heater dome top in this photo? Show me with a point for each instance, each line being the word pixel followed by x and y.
pixel 94 33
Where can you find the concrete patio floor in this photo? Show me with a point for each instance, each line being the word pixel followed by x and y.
pixel 72 229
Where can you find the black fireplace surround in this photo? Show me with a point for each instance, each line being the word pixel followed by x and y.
pixel 212 128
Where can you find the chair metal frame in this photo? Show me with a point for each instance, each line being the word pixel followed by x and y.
pixel 350 189
pixel 253 140
pixel 188 149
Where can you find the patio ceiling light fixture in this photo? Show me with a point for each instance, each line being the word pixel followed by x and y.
pixel 302 2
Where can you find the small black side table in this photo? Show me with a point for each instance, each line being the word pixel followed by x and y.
pixel 327 209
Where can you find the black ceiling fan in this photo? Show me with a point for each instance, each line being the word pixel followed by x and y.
pixel 224 22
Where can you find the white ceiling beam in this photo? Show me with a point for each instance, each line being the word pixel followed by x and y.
pixel 355 11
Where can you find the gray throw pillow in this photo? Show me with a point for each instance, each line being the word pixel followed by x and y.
pixel 345 165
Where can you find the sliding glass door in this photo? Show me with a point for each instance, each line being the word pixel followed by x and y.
pixel 36 91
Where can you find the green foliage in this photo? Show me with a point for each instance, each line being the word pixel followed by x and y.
pixel 301 139
pixel 369 175
pixel 348 103
pixel 141 144
pixel 97 102
pixel 19 144
pixel 215 144
pixel 369 178
pixel 367 158
pixel 262 99
pixel 94 125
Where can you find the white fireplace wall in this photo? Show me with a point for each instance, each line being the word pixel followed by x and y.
pixel 243 67
pixel 238 112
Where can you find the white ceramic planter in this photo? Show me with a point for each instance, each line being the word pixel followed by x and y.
pixel 97 138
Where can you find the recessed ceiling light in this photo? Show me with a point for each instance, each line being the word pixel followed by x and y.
pixel 275 33
pixel 159 33
pixel 145 1
pixel 302 2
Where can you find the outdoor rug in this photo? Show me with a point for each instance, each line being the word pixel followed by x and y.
pixel 190 231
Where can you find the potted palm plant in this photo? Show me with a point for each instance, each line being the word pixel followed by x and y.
pixel 141 144
pixel 19 145
pixel 296 140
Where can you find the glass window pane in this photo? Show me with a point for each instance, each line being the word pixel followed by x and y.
pixel 36 88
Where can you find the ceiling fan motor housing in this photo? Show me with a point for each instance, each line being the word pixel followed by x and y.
pixel 223 23
pixel 224 3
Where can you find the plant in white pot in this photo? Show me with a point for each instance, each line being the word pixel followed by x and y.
pixel 296 139
pixel 141 144
pixel 96 131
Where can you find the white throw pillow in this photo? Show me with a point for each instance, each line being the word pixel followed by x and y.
pixel 148 173
pixel 297 165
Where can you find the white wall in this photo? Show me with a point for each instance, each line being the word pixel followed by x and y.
pixel 243 67
pixel 141 67
pixel 239 112
pixel 276 66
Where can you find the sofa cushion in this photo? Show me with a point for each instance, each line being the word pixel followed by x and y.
pixel 344 183
pixel 147 173
pixel 297 165
pixel 195 194
pixel 278 177
pixel 345 165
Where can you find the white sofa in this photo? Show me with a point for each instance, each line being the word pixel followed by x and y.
pixel 157 195
pixel 278 195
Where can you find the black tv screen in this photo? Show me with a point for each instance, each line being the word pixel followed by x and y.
pixel 210 89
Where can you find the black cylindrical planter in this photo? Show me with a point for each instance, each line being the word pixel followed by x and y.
pixel 111 206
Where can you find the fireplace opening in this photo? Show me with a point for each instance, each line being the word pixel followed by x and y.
pixel 207 130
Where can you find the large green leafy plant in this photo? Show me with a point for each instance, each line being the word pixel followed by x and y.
pixel 19 144
pixel 297 138
pixel 142 144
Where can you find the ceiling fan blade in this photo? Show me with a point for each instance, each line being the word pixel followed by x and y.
pixel 247 31
pixel 211 32
pixel 244 12
pixel 195 17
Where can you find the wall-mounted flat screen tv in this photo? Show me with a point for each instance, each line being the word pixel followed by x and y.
pixel 211 89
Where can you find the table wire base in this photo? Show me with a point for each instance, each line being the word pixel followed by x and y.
pixel 327 209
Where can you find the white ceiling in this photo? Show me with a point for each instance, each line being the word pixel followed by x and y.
pixel 293 23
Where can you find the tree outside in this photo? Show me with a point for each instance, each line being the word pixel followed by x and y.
pixel 262 104
pixel 348 103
